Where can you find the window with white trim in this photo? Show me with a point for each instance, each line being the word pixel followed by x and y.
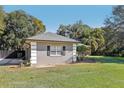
pixel 56 50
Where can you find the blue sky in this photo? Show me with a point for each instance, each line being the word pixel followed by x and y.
pixel 53 16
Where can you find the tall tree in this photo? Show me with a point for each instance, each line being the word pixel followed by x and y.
pixel 116 25
pixel 97 40
pixel 19 25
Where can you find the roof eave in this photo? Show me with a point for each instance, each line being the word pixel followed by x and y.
pixel 51 40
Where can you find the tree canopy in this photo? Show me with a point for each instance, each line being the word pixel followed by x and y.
pixel 2 23
pixel 18 26
pixel 83 33
pixel 114 27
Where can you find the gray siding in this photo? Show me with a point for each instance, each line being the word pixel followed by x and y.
pixel 43 59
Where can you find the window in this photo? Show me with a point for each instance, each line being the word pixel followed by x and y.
pixel 55 50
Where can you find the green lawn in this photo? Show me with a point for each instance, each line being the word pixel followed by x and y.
pixel 107 59
pixel 104 73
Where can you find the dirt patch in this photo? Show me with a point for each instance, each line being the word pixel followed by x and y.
pixel 49 65
pixel 43 66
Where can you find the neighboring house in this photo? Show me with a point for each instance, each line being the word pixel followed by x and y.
pixel 50 48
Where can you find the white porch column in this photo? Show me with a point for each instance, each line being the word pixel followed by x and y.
pixel 74 53
pixel 33 53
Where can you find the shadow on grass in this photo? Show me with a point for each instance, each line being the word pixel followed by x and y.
pixel 105 59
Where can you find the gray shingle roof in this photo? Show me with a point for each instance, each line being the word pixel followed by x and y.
pixel 49 36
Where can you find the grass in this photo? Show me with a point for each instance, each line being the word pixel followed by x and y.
pixel 106 59
pixel 104 73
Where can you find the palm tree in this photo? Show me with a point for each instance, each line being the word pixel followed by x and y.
pixel 96 39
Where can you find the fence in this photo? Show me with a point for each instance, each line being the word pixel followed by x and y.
pixel 5 53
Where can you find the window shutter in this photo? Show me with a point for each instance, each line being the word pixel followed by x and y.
pixel 64 49
pixel 48 50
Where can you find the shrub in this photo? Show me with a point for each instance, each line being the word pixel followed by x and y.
pixel 26 63
pixel 82 51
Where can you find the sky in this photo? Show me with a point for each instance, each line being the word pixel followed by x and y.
pixel 52 16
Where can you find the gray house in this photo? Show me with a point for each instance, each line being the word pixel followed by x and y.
pixel 50 48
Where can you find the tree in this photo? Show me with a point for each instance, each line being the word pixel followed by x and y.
pixel 77 31
pixel 19 26
pixel 115 24
pixel 82 51
pixel 97 40
pixel 86 35
pixel 64 30
pixel 2 23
